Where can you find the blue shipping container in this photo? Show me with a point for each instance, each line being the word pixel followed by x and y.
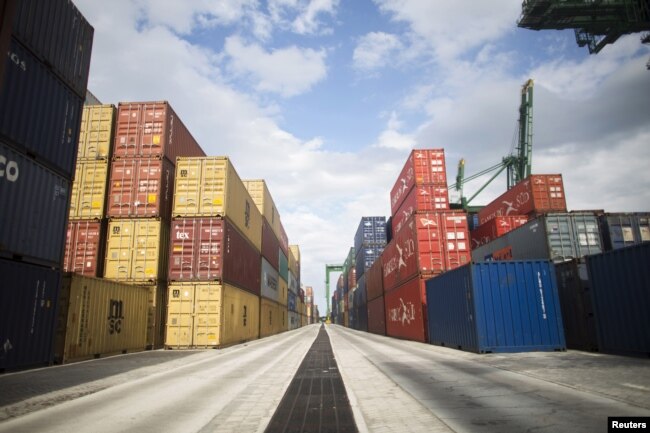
pixel 28 297
pixel 291 301
pixel 371 231
pixel 620 281
pixel 366 256
pixel 361 305
pixel 496 307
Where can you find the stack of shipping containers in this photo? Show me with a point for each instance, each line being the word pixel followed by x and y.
pixel 148 138
pixel 294 302
pixel 215 257
pixel 427 239
pixel 349 285
pixel 42 89
pixel 309 304
pixel 273 302
pixel 369 243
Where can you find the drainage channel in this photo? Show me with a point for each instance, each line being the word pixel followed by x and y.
pixel 316 400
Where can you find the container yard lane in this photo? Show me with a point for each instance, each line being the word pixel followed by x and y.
pixel 404 386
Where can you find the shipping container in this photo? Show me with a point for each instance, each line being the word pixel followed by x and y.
pixel 294 261
pixel 366 257
pixel 60 36
pixel 294 320
pixel 496 307
pixel 389 229
pixel 620 230
pixel 494 228
pixel 33 209
pixel 211 187
pixel 137 250
pixel 620 280
pixel 428 244
pixel 554 236
pixel 293 283
pixel 377 316
pixel 84 247
pixel 574 291
pixel 283 289
pixel 270 245
pixel 423 198
pixel 538 193
pixel 361 305
pixel 209 314
pixel 406 311
pixel 292 301
pixel 141 187
pixel 352 278
pixel 88 200
pixel 96 132
pixel 283 265
pixel 152 130
pixel 213 249
pixel 99 317
pixel 7 11
pixel 262 197
pixel 28 298
pixel 284 240
pixel 39 114
pixel 273 318
pixel 375 280
pixel 371 231
pixel 422 167
pixel 269 282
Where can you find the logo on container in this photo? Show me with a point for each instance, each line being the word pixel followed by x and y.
pixel 182 235
pixel 115 316
pixel 8 169
pixel 15 59
pixel 405 313
pixel 404 186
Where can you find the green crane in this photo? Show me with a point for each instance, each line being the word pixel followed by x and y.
pixel 519 165
pixel 329 269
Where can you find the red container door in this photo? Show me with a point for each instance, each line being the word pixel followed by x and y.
pixel 406 310
pixel 183 249
pixel 456 235
pixel 209 249
pixel 429 166
pixel 431 242
pixel 548 193
pixel 82 250
pixel 140 129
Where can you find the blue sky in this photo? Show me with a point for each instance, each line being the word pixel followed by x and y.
pixel 325 98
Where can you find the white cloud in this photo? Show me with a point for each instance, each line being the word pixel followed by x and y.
pixel 376 50
pixel 302 16
pixel 391 138
pixel 288 71
pixel 307 22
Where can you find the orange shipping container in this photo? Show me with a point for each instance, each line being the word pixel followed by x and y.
pixel 84 247
pixel 496 227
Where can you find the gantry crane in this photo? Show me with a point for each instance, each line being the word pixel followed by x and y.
pixel 328 270
pixel 518 165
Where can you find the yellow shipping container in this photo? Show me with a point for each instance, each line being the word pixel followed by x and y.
pixel 208 314
pixel 156 315
pixel 283 291
pixel 210 186
pixel 294 260
pixel 99 317
pixel 137 250
pixel 273 318
pixel 262 197
pixel 88 197
pixel 96 133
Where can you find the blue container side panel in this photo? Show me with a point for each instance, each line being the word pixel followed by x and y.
pixel 620 282
pixel 371 230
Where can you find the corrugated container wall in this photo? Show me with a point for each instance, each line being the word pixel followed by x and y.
pixel 265 204
pixel 7 11
pixel 283 289
pixel 96 132
pixel 366 257
pixel 141 187
pixel 270 288
pixel 152 129
pixel 371 231
pixel 28 299
pixel 377 316
pixel 574 290
pixel 496 307
pixel 537 194
pixel 137 250
pixel 88 200
pixel 60 35
pixel 294 261
pixel 37 230
pixel 422 167
pixel 270 245
pixel 375 280
pixel 620 280
pixel 211 187
pixel 84 248
pixel 554 236
pixel 283 265
pixel 431 198
pixel 624 229
pixel 361 305
pixel 212 249
pixel 208 314
pixel 496 227
pixel 284 240
pixel 39 114
pixel 272 318
pixel 406 311
pixel 99 317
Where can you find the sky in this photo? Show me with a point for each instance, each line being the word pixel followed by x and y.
pixel 324 99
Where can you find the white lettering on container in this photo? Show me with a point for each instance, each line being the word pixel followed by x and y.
pixel 8 169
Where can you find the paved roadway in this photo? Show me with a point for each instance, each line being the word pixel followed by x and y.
pixel 392 385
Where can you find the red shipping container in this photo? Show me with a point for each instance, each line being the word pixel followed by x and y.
pixel 428 243
pixel 84 247
pixel 270 245
pixel 141 187
pixel 496 227
pixel 422 198
pixel 538 193
pixel 212 249
pixel 152 129
pixel 375 280
pixel 406 311
pixel 352 279
pixel 284 240
pixel 423 167
pixel 377 316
